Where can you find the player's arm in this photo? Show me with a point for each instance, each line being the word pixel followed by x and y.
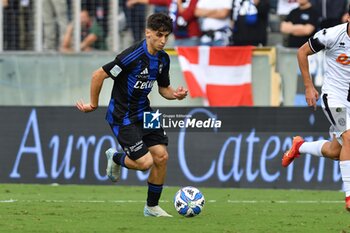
pixel 311 94
pixel 131 3
pixel 88 41
pixel 302 30
pixel 97 80
pixel 171 94
pixel 221 13
pixel 67 39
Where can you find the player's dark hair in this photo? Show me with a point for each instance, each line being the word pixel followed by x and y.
pixel 349 9
pixel 160 22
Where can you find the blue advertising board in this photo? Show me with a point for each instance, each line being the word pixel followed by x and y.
pixel 208 147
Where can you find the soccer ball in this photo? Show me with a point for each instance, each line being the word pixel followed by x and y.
pixel 189 201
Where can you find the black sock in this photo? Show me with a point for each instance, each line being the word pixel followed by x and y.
pixel 153 194
pixel 119 158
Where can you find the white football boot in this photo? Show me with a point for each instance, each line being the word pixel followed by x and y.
pixel 155 211
pixel 113 169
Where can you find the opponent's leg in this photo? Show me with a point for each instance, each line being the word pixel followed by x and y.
pixel 345 166
pixel 320 148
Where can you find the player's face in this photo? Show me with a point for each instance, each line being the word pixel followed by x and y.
pixel 156 40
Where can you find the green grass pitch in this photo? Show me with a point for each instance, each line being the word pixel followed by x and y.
pixel 119 209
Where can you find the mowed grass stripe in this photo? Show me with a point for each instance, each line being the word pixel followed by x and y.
pixel 113 208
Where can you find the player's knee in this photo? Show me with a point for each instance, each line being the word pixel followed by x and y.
pixel 146 164
pixel 346 138
pixel 333 150
pixel 334 154
pixel 161 158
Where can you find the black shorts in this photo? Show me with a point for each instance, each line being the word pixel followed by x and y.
pixel 135 140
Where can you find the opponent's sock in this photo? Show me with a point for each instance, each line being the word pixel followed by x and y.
pixel 153 194
pixel 119 158
pixel 345 174
pixel 313 148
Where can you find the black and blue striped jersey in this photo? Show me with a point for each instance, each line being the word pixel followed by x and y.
pixel 134 72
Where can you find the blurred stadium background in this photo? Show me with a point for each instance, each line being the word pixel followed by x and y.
pixel 24 55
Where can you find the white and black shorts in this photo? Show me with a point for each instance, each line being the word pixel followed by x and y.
pixel 337 112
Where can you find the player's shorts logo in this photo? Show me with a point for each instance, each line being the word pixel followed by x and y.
pixel 342 121
pixel 151 120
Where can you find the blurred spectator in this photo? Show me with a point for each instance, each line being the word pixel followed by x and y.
pixel 186 26
pixel 186 29
pixel 91 35
pixel 215 21
pixel 159 5
pixel 250 22
pixel 330 13
pixel 26 25
pixel 284 7
pixel 55 20
pixel 300 24
pixel 11 24
pixel 273 6
pixel 135 13
pixel 99 10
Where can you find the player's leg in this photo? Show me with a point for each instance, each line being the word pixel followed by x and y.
pixel 116 160
pixel 331 149
pixel 135 156
pixel 320 148
pixel 160 159
pixel 337 109
pixel 157 174
pixel 345 166
pixel 155 181
pixel 156 142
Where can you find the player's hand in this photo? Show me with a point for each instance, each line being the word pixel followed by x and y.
pixel 311 96
pixel 85 107
pixel 180 93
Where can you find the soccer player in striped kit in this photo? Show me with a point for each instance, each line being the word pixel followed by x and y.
pixel 134 72
pixel 335 41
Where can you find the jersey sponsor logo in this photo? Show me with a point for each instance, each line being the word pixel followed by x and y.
pixel 343 59
pixel 144 84
pixel 115 70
